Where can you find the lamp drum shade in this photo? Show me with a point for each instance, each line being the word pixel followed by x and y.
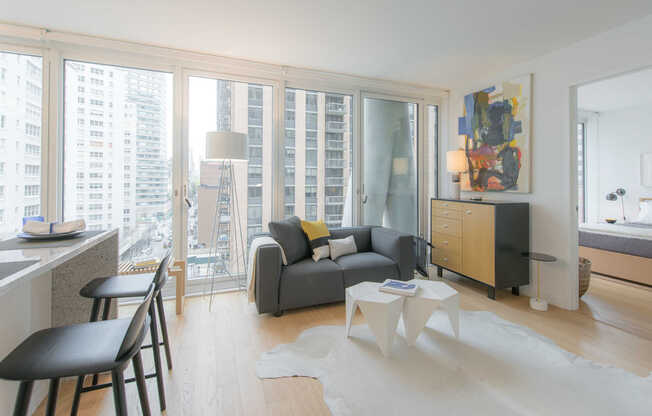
pixel 226 145
pixel 455 161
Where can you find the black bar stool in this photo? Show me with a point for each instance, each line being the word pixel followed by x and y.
pixel 127 286
pixel 73 350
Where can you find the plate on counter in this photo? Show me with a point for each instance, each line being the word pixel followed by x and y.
pixel 54 236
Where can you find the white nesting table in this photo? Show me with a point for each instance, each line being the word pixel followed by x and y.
pixel 418 309
pixel 383 310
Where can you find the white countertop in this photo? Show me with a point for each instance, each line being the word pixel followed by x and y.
pixel 47 259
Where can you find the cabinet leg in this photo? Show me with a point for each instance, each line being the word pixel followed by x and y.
pixel 491 293
pixel 440 272
pixel 516 291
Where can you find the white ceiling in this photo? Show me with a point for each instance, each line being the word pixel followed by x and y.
pixel 624 91
pixel 432 42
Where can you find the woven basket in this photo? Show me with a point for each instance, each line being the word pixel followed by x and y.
pixel 585 275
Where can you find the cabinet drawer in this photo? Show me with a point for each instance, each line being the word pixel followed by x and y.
pixel 446 242
pixel 437 204
pixel 446 259
pixel 448 213
pixel 447 226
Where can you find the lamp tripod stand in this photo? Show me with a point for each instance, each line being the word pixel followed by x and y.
pixel 226 206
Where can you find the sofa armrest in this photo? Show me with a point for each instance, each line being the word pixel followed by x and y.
pixel 268 278
pixel 397 246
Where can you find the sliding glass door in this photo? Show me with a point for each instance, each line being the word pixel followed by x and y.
pixel 215 239
pixel 390 172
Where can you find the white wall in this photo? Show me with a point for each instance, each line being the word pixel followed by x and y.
pixel 622 136
pixel 553 217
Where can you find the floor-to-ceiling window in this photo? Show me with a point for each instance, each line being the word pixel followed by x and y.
pixel 433 155
pixel 581 172
pixel 117 159
pixel 318 156
pixel 21 95
pixel 218 105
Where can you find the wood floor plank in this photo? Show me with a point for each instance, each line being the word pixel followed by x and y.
pixel 214 352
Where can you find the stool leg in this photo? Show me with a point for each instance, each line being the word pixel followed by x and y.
pixel 157 356
pixel 119 396
pixel 22 398
pixel 107 309
pixel 95 310
pixel 140 381
pixel 105 316
pixel 52 397
pixel 164 329
pixel 77 397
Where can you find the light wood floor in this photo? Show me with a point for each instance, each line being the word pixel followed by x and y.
pixel 214 353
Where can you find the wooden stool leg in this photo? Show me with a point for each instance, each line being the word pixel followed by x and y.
pixel 52 397
pixel 77 396
pixel 157 356
pixel 164 329
pixel 137 361
pixel 22 398
pixel 119 396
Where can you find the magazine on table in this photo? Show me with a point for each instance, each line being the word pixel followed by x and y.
pixel 397 287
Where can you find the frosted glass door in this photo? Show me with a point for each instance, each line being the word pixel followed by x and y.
pixel 390 165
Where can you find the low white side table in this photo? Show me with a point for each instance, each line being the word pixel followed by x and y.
pixel 382 311
pixel 418 309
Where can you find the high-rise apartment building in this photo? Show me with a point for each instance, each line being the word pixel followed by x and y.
pixel 20 139
pixel 116 167
pixel 318 149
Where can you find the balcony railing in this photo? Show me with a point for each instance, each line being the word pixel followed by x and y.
pixel 334 200
pixel 336 108
pixel 338 126
pixel 334 145
pixel 334 181
pixel 335 163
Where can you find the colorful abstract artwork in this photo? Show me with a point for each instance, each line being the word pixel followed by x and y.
pixel 496 130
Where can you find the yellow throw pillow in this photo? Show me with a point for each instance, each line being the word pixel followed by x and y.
pixel 318 236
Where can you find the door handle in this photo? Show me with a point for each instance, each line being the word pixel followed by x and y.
pixel 469 212
pixel 364 199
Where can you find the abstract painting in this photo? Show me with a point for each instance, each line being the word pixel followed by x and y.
pixel 496 126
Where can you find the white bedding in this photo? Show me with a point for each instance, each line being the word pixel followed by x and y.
pixel 617 230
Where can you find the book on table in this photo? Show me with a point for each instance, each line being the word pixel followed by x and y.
pixel 397 287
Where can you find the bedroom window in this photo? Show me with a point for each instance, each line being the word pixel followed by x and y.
pixel 581 172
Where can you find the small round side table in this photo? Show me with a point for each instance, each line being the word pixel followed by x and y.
pixel 538 303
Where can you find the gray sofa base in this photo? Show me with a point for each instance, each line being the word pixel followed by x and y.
pixel 382 254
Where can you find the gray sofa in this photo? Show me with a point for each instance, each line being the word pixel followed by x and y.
pixel 382 254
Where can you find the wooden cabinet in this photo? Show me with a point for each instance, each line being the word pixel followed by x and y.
pixel 482 240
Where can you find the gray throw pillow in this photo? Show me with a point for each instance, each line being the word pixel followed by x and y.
pixel 342 247
pixel 289 234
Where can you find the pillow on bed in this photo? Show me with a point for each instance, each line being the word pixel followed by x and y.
pixel 644 213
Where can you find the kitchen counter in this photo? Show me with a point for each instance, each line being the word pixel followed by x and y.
pixel 46 294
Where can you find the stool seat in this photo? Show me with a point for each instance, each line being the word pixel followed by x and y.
pixel 66 351
pixel 123 286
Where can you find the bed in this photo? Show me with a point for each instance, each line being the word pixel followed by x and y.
pixel 623 251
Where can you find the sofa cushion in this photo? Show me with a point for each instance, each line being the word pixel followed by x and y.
pixel 307 283
pixel 290 236
pixel 361 235
pixel 366 267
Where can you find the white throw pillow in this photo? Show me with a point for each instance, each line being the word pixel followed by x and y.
pixel 342 246
pixel 320 253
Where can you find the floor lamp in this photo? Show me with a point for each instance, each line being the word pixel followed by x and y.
pixel 228 149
